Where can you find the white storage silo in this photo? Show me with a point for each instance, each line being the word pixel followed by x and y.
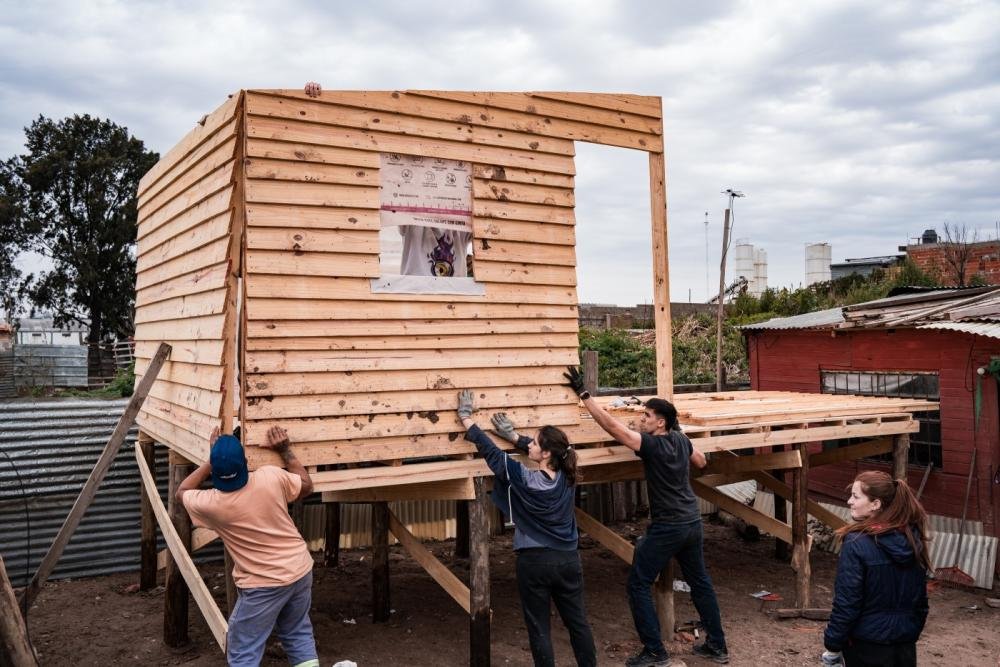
pixel 743 255
pixel 818 262
pixel 759 272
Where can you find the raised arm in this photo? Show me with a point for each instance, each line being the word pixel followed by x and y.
pixel 612 426
pixel 277 440
pixel 194 481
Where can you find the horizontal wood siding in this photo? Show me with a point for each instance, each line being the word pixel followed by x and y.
pixel 186 213
pixel 358 376
pixel 792 360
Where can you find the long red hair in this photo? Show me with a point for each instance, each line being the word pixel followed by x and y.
pixel 900 511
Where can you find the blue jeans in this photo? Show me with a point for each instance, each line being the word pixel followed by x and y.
pixel 282 608
pixel 662 542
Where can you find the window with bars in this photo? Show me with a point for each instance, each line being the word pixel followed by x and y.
pixel 925 445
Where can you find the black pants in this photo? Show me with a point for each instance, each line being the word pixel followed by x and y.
pixel 545 576
pixel 869 654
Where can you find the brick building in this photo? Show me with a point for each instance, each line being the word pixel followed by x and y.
pixel 983 260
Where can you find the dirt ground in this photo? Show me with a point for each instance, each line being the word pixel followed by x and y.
pixel 99 622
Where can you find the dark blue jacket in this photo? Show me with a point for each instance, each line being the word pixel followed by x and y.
pixel 547 517
pixel 880 594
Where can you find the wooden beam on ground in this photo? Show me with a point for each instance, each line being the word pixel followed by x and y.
pixel 606 537
pixel 451 584
pixel 784 491
pixel 200 537
pixel 479 577
pixel 754 462
pixel 93 482
pixel 661 276
pixel 148 561
pixel 900 455
pixel 813 614
pixel 15 648
pixel 175 594
pixel 800 529
pixel 202 597
pixel 851 452
pixel 736 508
pixel 380 563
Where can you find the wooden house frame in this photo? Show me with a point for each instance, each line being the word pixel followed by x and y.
pixel 258 238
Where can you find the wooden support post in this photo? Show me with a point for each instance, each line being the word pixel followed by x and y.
pixel 93 482
pixel 590 367
pixel 176 595
pixel 780 510
pixel 461 529
pixel 380 562
pixel 800 528
pixel 147 542
pixel 331 547
pixel 15 649
pixel 231 593
pixel 900 455
pixel 661 276
pixel 479 577
pixel 297 510
pixel 663 595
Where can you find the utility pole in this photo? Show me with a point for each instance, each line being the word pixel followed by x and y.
pixel 733 194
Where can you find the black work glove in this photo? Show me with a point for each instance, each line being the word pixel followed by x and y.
pixel 576 382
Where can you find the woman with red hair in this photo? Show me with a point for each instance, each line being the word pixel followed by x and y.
pixel 880 593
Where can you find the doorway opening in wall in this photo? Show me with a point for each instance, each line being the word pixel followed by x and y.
pixel 925 445
pixel 614 264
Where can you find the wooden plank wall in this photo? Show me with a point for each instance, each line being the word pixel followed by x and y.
pixel 185 277
pixel 356 376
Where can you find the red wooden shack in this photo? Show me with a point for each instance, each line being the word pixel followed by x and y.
pixel 936 344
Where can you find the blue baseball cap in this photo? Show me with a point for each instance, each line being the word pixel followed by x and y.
pixel 229 464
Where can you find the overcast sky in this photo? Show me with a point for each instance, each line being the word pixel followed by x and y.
pixel 856 123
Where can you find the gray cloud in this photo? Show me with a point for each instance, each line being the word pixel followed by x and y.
pixel 855 123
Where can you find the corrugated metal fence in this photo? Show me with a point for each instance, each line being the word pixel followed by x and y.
pixel 7 389
pixel 50 447
pixel 50 365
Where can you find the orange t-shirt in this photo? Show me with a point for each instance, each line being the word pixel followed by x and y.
pixel 254 525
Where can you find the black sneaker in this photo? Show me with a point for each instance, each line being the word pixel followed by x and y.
pixel 705 650
pixel 646 658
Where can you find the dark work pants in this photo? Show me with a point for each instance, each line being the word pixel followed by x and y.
pixel 662 542
pixel 860 653
pixel 545 576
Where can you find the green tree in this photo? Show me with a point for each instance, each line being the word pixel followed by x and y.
pixel 13 285
pixel 73 197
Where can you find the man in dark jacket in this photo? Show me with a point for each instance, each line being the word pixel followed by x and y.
pixel 880 600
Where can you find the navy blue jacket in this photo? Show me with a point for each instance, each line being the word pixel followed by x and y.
pixel 880 594
pixel 547 517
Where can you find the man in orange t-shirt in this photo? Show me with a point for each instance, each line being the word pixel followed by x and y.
pixel 272 566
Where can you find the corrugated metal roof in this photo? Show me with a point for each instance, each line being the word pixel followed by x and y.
pixel 973 310
pixel 820 319
pixel 52 445
pixel 989 329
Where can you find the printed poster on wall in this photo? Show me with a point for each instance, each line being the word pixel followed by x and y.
pixel 425 192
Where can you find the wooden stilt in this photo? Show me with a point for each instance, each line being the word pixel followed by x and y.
pixel 176 595
pixel 331 547
pixel 231 592
pixel 380 562
pixel 297 511
pixel 461 529
pixel 147 542
pixel 900 455
pixel 800 532
pixel 15 649
pixel 780 511
pixel 663 595
pixel 479 577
